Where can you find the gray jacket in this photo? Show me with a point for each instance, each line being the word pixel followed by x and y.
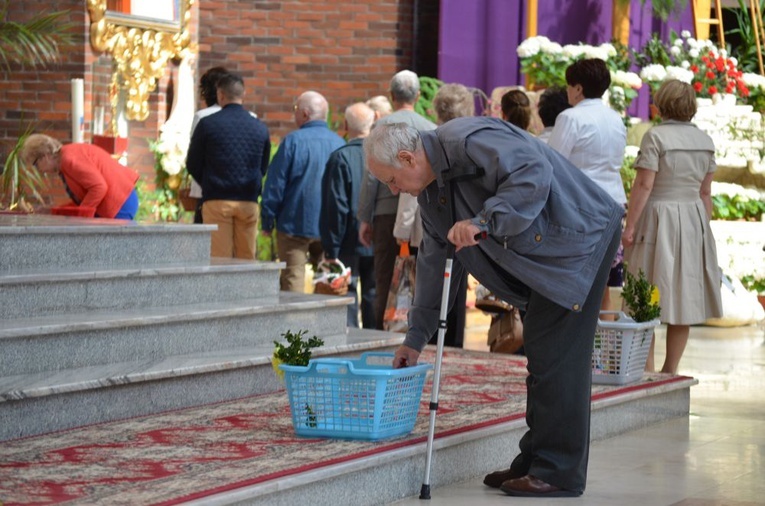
pixel 549 225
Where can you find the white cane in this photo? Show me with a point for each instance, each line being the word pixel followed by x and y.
pixel 425 490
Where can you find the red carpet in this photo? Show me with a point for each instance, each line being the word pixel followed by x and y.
pixel 193 453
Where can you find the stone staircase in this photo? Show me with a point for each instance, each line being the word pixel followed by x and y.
pixel 106 319
pixel 103 320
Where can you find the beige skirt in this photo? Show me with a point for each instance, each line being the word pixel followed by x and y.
pixel 675 248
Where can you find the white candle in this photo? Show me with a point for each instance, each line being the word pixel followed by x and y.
pixel 78 109
pixel 98 120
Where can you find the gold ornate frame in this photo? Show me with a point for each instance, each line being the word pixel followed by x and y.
pixel 141 48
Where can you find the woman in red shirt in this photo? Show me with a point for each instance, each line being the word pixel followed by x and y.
pixel 91 176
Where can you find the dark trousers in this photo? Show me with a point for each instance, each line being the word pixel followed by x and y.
pixel 558 344
pixel 386 250
pixel 457 315
pixel 362 271
pixel 368 291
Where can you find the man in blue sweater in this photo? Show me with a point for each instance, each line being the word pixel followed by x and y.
pixel 228 154
pixel 292 194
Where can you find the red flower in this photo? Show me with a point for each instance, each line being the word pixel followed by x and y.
pixel 712 90
pixel 697 86
pixel 710 74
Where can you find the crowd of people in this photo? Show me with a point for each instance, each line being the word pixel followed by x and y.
pixel 539 221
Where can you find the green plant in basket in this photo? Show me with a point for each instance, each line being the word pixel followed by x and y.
pixel 640 297
pixel 297 351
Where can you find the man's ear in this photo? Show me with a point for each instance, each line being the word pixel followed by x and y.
pixel 406 158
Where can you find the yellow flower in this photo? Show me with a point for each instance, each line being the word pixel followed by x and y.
pixel 655 296
pixel 275 362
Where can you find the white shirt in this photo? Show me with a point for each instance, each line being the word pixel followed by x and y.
pixel 592 136
pixel 408 226
pixel 545 134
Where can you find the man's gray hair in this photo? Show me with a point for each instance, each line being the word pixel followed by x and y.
pixel 404 87
pixel 387 140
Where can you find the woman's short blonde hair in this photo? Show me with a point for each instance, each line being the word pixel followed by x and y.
pixel 38 145
pixel 676 100
pixel 380 104
pixel 453 101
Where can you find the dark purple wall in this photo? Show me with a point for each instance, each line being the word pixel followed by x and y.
pixel 642 26
pixel 477 42
pixel 478 38
pixel 574 21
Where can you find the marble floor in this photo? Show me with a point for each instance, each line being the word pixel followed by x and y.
pixel 714 457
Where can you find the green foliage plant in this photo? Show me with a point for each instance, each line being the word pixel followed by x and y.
pixel 640 297
pixel 663 9
pixel 753 283
pixel 732 202
pixel 36 42
pixel 428 88
pixel 21 185
pixel 737 208
pixel 654 51
pixel 746 48
pixel 298 350
pixel 628 173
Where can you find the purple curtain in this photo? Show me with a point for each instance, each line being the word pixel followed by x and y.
pixel 574 21
pixel 642 26
pixel 478 38
pixel 477 42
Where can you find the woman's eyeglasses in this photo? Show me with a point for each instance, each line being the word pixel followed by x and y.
pixel 37 160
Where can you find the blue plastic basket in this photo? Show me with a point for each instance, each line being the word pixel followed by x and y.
pixel 354 399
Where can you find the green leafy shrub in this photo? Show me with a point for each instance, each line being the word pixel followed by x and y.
pixel 640 297
pixel 428 88
pixel 753 284
pixel 733 202
pixel 297 351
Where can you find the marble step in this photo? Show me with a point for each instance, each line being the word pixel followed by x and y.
pixel 48 401
pixel 59 292
pixel 390 476
pixel 34 242
pixel 50 343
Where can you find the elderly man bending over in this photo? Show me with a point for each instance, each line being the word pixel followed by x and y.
pixel 551 234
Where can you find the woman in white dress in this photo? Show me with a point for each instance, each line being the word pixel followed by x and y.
pixel 667 233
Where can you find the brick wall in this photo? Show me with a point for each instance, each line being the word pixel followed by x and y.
pixel 345 49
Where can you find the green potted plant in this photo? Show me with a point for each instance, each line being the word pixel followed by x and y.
pixel 21 185
pixel 755 282
pixel 35 42
pixel 297 351
pixel 641 298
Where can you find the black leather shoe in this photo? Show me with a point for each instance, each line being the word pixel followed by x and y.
pixel 497 478
pixel 530 486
